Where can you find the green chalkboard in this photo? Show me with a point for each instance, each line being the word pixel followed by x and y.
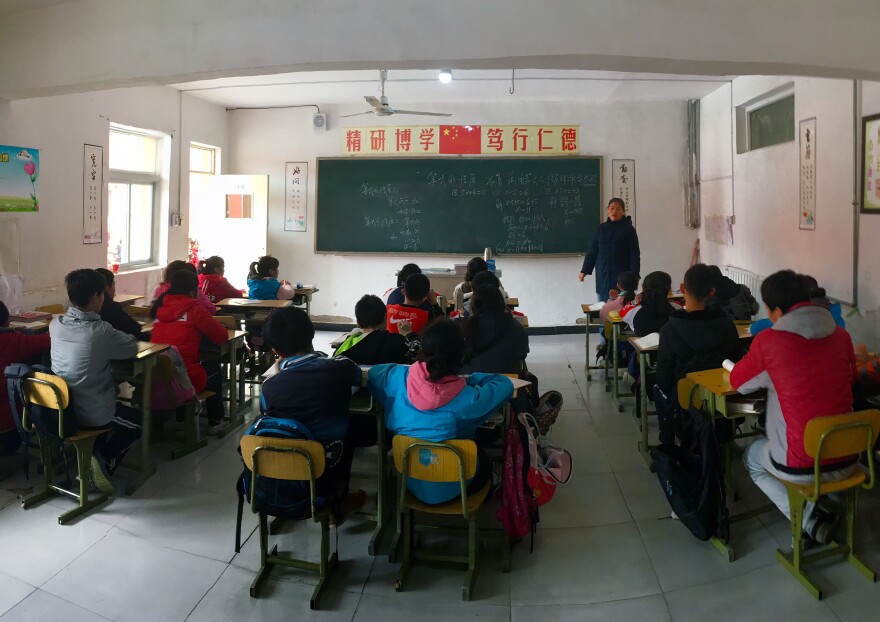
pixel 516 206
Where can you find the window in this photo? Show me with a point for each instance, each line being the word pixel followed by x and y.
pixel 766 120
pixel 202 159
pixel 239 206
pixel 135 162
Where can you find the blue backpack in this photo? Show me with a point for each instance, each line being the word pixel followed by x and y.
pixel 274 497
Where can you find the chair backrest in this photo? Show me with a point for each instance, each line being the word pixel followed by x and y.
pixel 46 390
pixel 55 309
pixel 139 310
pixel 283 458
pixel 228 321
pixel 839 436
pixel 685 392
pixel 449 461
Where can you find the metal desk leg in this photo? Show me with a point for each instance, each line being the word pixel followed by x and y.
pixel 382 499
pixel 148 467
pixel 235 419
pixel 615 378
pixel 587 346
pixel 644 447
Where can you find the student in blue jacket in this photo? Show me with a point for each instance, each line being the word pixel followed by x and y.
pixel 432 402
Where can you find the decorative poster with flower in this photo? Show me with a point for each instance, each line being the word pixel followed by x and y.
pixel 19 179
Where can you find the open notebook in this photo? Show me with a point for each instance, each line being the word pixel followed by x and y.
pixel 648 341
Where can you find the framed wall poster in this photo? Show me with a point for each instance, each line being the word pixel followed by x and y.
pixel 296 179
pixel 93 194
pixel 870 165
pixel 807 206
pixel 19 179
pixel 624 184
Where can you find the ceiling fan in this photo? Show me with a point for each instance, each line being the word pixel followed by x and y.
pixel 381 107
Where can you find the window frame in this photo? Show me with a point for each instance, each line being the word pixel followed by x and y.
pixel 744 115
pixel 765 103
pixel 130 178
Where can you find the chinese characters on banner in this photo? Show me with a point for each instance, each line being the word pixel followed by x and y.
pixel 808 174
pixel 623 182
pixel 871 165
pixel 296 179
pixel 462 140
pixel 93 194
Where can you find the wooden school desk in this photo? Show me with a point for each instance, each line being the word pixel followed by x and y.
pixel 229 349
pixel 304 297
pixel 512 303
pixel 139 372
pixel 127 300
pixel 617 328
pixel 713 387
pixel 363 403
pixel 591 313
pixel 644 352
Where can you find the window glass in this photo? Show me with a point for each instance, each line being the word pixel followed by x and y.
pixel 772 124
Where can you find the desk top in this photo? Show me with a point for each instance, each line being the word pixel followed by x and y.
pixel 127 299
pixel 235 334
pixel 741 329
pixel 592 308
pixel 246 303
pixel 715 380
pixel 147 349
pixel 513 302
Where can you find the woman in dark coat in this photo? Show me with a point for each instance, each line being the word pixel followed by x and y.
pixel 615 249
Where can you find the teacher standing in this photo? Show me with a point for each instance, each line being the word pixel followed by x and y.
pixel 615 249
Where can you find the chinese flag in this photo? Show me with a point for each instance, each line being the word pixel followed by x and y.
pixel 460 139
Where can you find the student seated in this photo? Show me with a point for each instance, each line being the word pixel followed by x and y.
pixel 165 285
pixel 431 402
pixel 808 367
pixel 495 342
pixel 263 283
pixel 374 345
pixel 820 299
pixel 651 309
pixel 734 299
pixel 694 339
pixel 83 346
pixel 15 347
pixel 415 312
pixel 627 284
pixel 212 284
pixel 463 290
pixel 394 296
pixel 113 313
pixel 315 391
pixel 182 322
pixel 486 277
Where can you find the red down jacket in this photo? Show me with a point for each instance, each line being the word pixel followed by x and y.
pixel 182 321
pixel 808 367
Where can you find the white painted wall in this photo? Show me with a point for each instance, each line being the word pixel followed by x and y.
pixel 109 43
pixel 764 194
pixel 652 133
pixel 51 239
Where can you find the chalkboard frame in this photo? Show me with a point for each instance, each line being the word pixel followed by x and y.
pixel 318 160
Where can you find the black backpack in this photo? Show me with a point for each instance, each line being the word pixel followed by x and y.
pixel 692 477
pixel 44 420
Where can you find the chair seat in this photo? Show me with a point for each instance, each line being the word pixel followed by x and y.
pixel 79 436
pixel 474 502
pixel 827 488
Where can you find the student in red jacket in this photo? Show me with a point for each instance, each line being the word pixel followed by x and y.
pixel 808 367
pixel 182 322
pixel 15 347
pixel 212 284
pixel 170 270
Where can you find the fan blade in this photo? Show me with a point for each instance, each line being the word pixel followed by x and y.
pixel 424 114
pixel 375 102
pixel 357 114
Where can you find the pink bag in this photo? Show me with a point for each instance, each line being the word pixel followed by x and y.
pixel 518 512
pixel 170 395
pixel 549 464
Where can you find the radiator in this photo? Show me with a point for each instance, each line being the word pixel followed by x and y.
pixel 749 279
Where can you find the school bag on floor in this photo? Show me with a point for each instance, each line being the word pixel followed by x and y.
pixel 282 498
pixel 518 512
pixel 692 477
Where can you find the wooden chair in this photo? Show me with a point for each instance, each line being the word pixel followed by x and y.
pixel 229 322
pixel 54 309
pixel 837 436
pixel 449 461
pixel 163 376
pixel 51 392
pixel 291 460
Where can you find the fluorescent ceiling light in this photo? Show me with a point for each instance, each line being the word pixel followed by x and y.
pixel 445 76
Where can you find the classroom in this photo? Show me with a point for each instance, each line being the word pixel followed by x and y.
pixel 461 310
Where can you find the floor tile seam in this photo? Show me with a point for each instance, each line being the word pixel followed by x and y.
pixel 600 602
pixel 61 598
pixel 22 599
pixel 171 548
pixel 213 585
pixel 83 552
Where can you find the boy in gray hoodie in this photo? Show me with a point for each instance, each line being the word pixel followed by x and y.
pixel 83 346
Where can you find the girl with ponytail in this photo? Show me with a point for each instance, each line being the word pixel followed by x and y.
pixel 173 268
pixel 431 401
pixel 212 283
pixel 263 283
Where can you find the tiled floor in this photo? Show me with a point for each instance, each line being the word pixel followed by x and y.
pixel 606 548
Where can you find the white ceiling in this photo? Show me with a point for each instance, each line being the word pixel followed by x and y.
pixel 349 87
pixel 8 7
